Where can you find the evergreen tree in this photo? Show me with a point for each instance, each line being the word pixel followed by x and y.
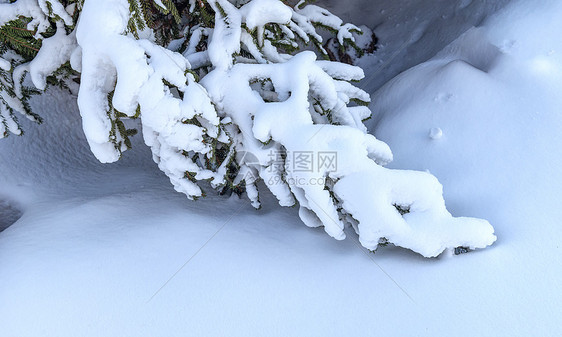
pixel 227 97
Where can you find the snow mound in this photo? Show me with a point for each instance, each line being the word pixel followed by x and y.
pixel 491 99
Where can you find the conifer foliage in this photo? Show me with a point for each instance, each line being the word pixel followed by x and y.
pixel 227 98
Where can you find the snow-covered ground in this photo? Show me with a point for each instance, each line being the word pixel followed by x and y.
pixel 112 250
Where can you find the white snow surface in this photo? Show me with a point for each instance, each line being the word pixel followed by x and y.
pixel 112 250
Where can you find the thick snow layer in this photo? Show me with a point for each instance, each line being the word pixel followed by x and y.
pixel 112 250
pixel 494 97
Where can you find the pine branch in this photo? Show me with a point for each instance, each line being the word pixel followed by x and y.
pixel 15 35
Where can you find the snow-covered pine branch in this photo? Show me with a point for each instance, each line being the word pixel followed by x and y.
pixel 218 90
pixel 30 41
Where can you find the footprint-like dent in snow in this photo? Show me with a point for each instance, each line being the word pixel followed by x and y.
pixel 435 133
pixel 8 214
pixel 443 97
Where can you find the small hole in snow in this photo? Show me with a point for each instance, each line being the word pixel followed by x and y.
pixel 461 250
pixel 8 214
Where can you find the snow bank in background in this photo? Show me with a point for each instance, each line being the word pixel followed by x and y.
pixel 495 95
pixel 409 31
